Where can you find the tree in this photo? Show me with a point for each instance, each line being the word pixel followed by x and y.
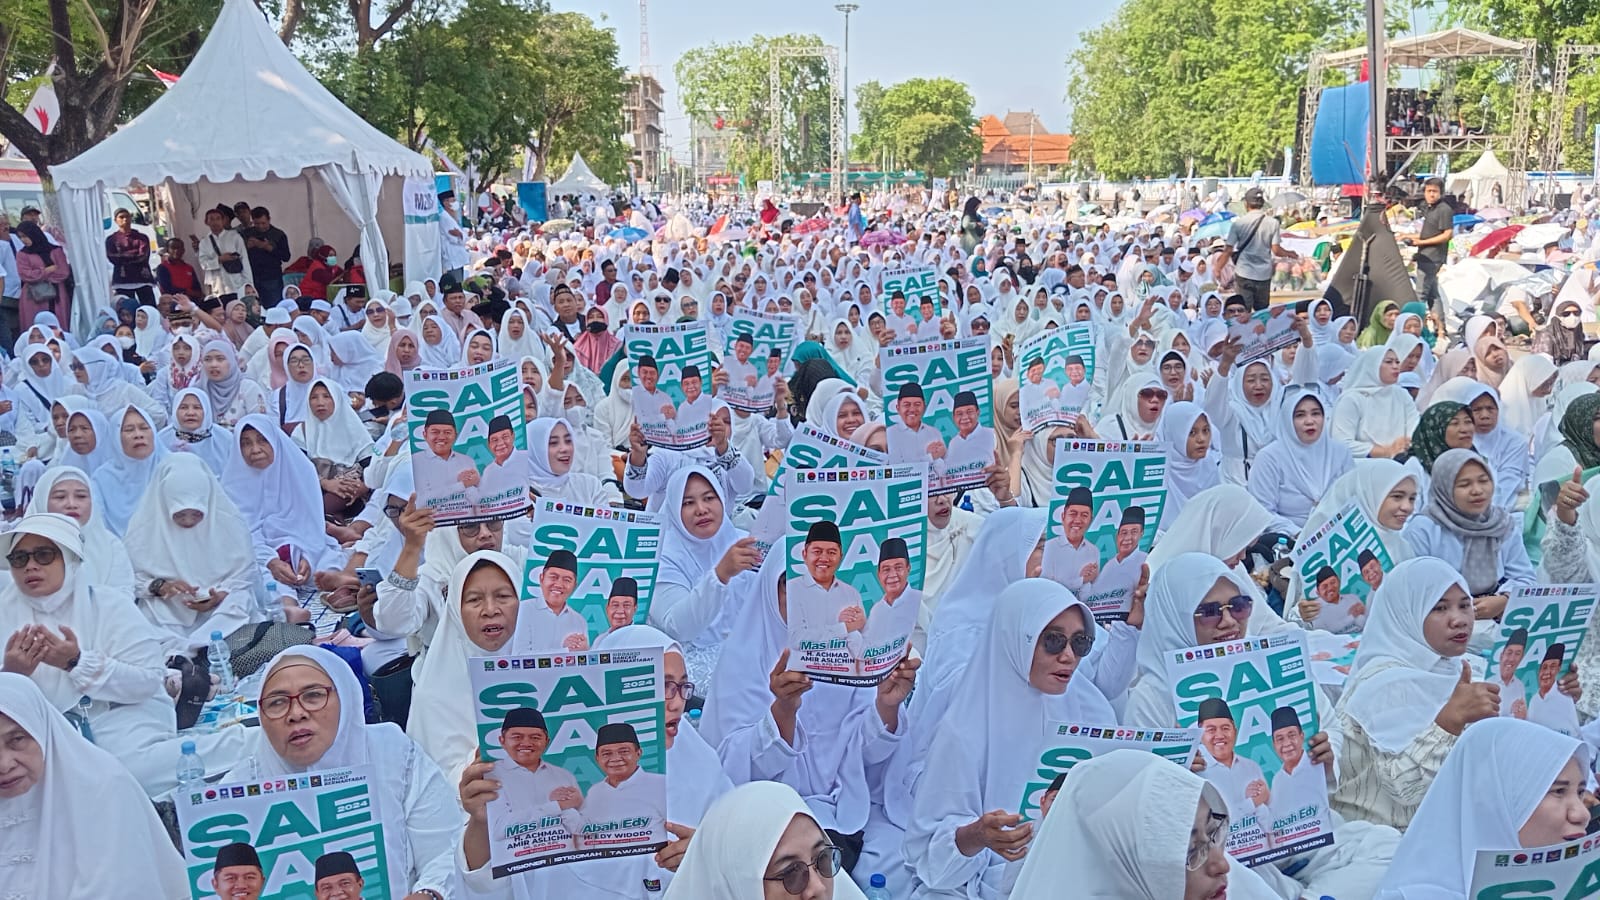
pixel 926 122
pixel 732 82
pixel 1167 84
pixel 96 50
pixel 338 23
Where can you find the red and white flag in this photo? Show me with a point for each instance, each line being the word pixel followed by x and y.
pixel 166 78
pixel 44 109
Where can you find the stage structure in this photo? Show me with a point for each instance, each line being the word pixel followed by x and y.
pixel 1425 52
pixel 836 160
pixel 1555 139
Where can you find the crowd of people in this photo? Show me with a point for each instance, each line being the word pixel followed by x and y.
pixel 227 452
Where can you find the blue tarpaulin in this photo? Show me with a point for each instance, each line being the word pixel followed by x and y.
pixel 1339 136
pixel 531 197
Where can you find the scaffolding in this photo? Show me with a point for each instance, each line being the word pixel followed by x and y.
pixel 1421 51
pixel 830 55
pixel 1555 140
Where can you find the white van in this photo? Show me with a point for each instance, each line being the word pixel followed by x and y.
pixel 20 188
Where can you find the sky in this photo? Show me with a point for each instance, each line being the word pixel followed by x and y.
pixel 1012 55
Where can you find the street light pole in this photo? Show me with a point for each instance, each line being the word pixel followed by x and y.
pixel 847 9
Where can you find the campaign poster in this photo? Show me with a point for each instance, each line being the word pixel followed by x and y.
pixel 1106 507
pixel 289 823
pixel 855 543
pixel 809 448
pixel 617 552
pixel 1332 655
pixel 1057 375
pixel 671 395
pixel 916 282
pixel 469 451
pixel 1340 566
pixel 1268 331
pixel 598 720
pixel 1540 633
pixel 940 408
pixel 1255 705
pixel 1569 871
pixel 754 351
pixel 1066 744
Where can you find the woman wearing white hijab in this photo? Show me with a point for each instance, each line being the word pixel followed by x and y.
pixel 1507 785
pixel 1192 464
pixel 1135 410
pixel 702 552
pixel 288 403
pixel 755 843
pixel 376 325
pixel 517 338
pixel 1407 700
pixel 1295 471
pixel 193 431
pixel 1121 829
pixel 35 392
pixel 614 414
pixel 1023 675
pixel 177 369
pixel 952 532
pixel 120 482
pixel 842 415
pixel 1334 358
pixel 279 496
pixel 68 491
pixel 58 789
pixel 352 361
pixel 150 336
pixel 1525 392
pixel 313 697
pixel 332 433
pixel 315 338
pixel 97 380
pixel 552 454
pixel 1374 415
pixel 439 347
pixel 194 550
pixel 1243 414
pixel 1386 493
pixel 1506 450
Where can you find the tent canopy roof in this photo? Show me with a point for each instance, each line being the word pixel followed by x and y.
pixel 579 180
pixel 1419 50
pixel 244 109
pixel 1487 166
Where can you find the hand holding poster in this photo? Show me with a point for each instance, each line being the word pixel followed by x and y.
pixel 578 743
pixel 671 370
pixel 1107 506
pixel 1568 871
pixel 1340 566
pixel 1540 634
pixel 810 448
pixel 941 409
pixel 617 554
pixel 1255 705
pixel 855 548
pixel 1068 743
pixel 1057 376
pixel 283 833
pixel 915 282
pixel 469 450
pixel 754 350
pixel 1268 331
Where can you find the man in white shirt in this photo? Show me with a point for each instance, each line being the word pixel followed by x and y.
pixel 1240 781
pixel 1074 395
pixel 823 610
pixel 445 479
pixel 504 481
pixel 971 449
pixel 1036 393
pixel 897 321
pixel 927 321
pixel 1299 784
pixel 622 603
pixel 1340 613
pixel 532 790
pixel 909 439
pixel 1111 595
pixel 651 408
pixel 220 250
pixel 1513 693
pixel 742 375
pixel 1371 570
pixel 236 873
pixel 1070 558
pixel 552 623
pixel 695 411
pixel 1550 706
pixel 894 615
pixel 452 241
pixel 628 806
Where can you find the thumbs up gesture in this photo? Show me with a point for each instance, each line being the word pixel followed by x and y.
pixel 1571 496
pixel 1469 702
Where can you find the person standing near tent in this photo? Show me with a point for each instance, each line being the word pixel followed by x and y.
pixel 1433 244
pixel 452 241
pixel 1252 245
pixel 268 249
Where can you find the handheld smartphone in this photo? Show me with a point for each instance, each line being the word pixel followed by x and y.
pixel 369 577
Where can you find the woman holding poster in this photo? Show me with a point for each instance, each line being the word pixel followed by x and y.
pixel 1386 493
pixel 1507 784
pixel 1291 473
pixel 1374 414
pixel 1024 673
pixel 313 719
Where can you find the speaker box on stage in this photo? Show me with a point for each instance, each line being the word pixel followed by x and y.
pixel 1563 201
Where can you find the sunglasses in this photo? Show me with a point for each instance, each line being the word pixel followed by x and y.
pixel 494 527
pixel 44 556
pixel 796 876
pixel 1053 642
pixel 1210 612
pixel 1152 394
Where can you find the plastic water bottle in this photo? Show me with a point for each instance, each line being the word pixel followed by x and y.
pixel 272 603
pixel 191 772
pixel 1281 549
pixel 221 659
pixel 879 889
pixel 8 477
pixel 694 717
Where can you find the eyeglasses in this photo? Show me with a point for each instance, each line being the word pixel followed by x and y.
pixel 393 510
pixel 1152 394
pixel 312 699
pixel 1210 613
pixel 1053 642
pixel 797 875
pixel 684 689
pixel 44 556
pixel 494 527
pixel 1216 831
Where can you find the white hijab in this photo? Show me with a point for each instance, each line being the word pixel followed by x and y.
pixel 152 338
pixel 444 354
pixel 341 438
pixel 684 557
pixel 214 553
pixel 36 393
pixel 1490 783
pixel 1256 421
pixel 282 503
pixel 121 481
pixel 1175 590
pixel 1185 477
pixel 1367 483
pixel 295 393
pixel 1308 469
pixel 1519 409
pixel 105 557
pixel 1221 522
pixel 212 443
pixel 1398 682
pixel 83 792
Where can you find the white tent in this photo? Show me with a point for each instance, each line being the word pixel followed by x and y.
pixel 579 180
pixel 245 110
pixel 1478 181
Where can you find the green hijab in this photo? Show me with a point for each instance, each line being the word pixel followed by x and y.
pixel 1420 310
pixel 1577 430
pixel 1376 334
pixel 1427 439
pixel 809 350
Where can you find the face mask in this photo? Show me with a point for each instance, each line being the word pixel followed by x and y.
pixel 578 415
pixel 126 342
pixel 1570 320
pixel 595 327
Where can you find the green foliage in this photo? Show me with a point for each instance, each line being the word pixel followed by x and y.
pixel 927 123
pixel 1167 82
pixel 733 81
